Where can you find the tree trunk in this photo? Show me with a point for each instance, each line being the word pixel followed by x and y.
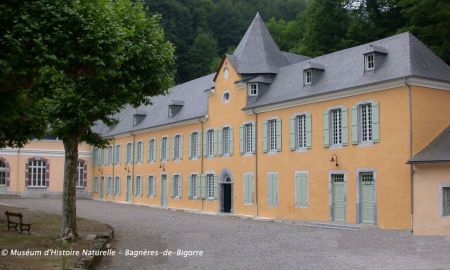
pixel 69 212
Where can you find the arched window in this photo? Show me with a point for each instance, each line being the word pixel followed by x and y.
pixel 37 173
pixel 81 174
pixel 225 73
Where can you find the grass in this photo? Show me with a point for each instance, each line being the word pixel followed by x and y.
pixel 44 233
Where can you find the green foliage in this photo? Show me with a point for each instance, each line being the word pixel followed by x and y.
pixel 204 51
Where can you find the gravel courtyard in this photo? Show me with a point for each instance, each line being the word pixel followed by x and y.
pixel 233 243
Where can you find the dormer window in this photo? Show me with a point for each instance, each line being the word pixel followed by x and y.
pixel 369 60
pixel 175 106
pixel 253 89
pixel 138 117
pixel 307 76
pixel 225 73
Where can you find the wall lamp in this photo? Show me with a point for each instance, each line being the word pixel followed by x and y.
pixel 334 159
pixel 127 169
pixel 161 166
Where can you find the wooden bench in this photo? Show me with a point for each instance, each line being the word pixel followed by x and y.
pixel 14 224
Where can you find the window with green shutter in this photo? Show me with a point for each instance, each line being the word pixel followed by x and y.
pixel 446 201
pixel 248 188
pixel 193 186
pixel 301 189
pixel 117 186
pixel 273 135
pixel 365 123
pixel 272 189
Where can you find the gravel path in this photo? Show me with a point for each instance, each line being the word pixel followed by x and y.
pixel 233 243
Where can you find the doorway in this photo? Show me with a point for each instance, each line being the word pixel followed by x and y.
pixel 226 196
pixel 338 205
pixel 102 184
pixel 164 190
pixel 129 188
pixel 367 198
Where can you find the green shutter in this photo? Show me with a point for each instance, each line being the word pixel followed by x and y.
pixel 142 187
pixel 154 185
pixel 250 188
pixel 180 186
pixel 219 147
pixel 161 149
pixel 355 137
pixel 181 147
pixel 231 141
pixel 279 134
pixel 173 147
pixel 202 186
pixel 292 132
pixel 269 189
pixel 190 146
pixel 241 140
pixel 254 137
pixel 308 122
pixel 148 151
pixel 245 191
pixel 155 145
pixel 216 187
pixel 198 187
pixel 375 122
pixel 172 188
pixel 135 152
pixel 275 190
pixel 301 189
pixel 264 139
pixel 204 143
pixel 189 186
pixel 344 126
pixel 326 131
pixel 119 187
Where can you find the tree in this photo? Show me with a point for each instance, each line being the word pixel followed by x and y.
pixel 203 55
pixel 91 59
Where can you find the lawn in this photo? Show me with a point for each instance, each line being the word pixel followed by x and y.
pixel 43 237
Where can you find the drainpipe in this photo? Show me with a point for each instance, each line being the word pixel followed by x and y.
pixel 17 174
pixel 202 121
pixel 113 167
pixel 411 169
pixel 132 167
pixel 256 162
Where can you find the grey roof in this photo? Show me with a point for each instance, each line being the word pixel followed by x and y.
pixel 406 56
pixel 437 151
pixel 258 53
pixel 191 95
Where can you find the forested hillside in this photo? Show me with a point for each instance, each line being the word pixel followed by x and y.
pixel 203 30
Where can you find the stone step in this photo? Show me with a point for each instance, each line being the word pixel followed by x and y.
pixel 8 196
pixel 337 226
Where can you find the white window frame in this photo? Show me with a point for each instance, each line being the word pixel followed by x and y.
pixel 151 192
pixel 442 188
pixel 37 170
pixel 369 61
pixel 139 150
pixel 307 77
pixel 300 131
pixel 225 73
pixel 117 154
pixel 80 175
pixel 226 141
pixel 210 143
pixel 138 187
pixel 248 138
pixel 129 153
pixel 117 184
pixel 176 184
pixel 252 89
pixel 272 140
pixel 335 127
pixel 210 185
pixel 195 144
pixel 151 150
pixel 3 171
pixel 194 194
pixel 365 122
pixel 165 148
pixel 110 155
pixel 177 147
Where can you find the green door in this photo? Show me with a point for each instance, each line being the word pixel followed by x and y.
pixel 164 190
pixel 338 194
pixel 367 197
pixel 129 188
pixel 102 184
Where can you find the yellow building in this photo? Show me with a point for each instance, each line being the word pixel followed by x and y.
pixel 280 135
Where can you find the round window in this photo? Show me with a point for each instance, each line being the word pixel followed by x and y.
pixel 226 97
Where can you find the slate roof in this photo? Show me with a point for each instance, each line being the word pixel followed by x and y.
pixel 192 93
pixel 406 56
pixel 437 151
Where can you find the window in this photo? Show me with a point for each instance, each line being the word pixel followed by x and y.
pixel 164 149
pixel 177 147
pixel 151 186
pixel 128 153
pixel 139 152
pixel 210 143
pixel 226 137
pixel 225 73
pixel 193 186
pixel 272 189
pixel 446 201
pixel 194 145
pixel 105 156
pixel 95 187
pixel 226 96
pixel 252 89
pixel 80 174
pixel 369 60
pixel 109 183
pixel 272 131
pixel 301 189
pixel 248 138
pixel 365 116
pixel 117 186
pixel 210 182
pixel 336 126
pixel 307 75
pixel 110 155
pixel 118 155
pixel 152 150
pixel 3 171
pixel 176 186
pixel 37 173
pixel 248 188
pixel 300 131
pixel 138 186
